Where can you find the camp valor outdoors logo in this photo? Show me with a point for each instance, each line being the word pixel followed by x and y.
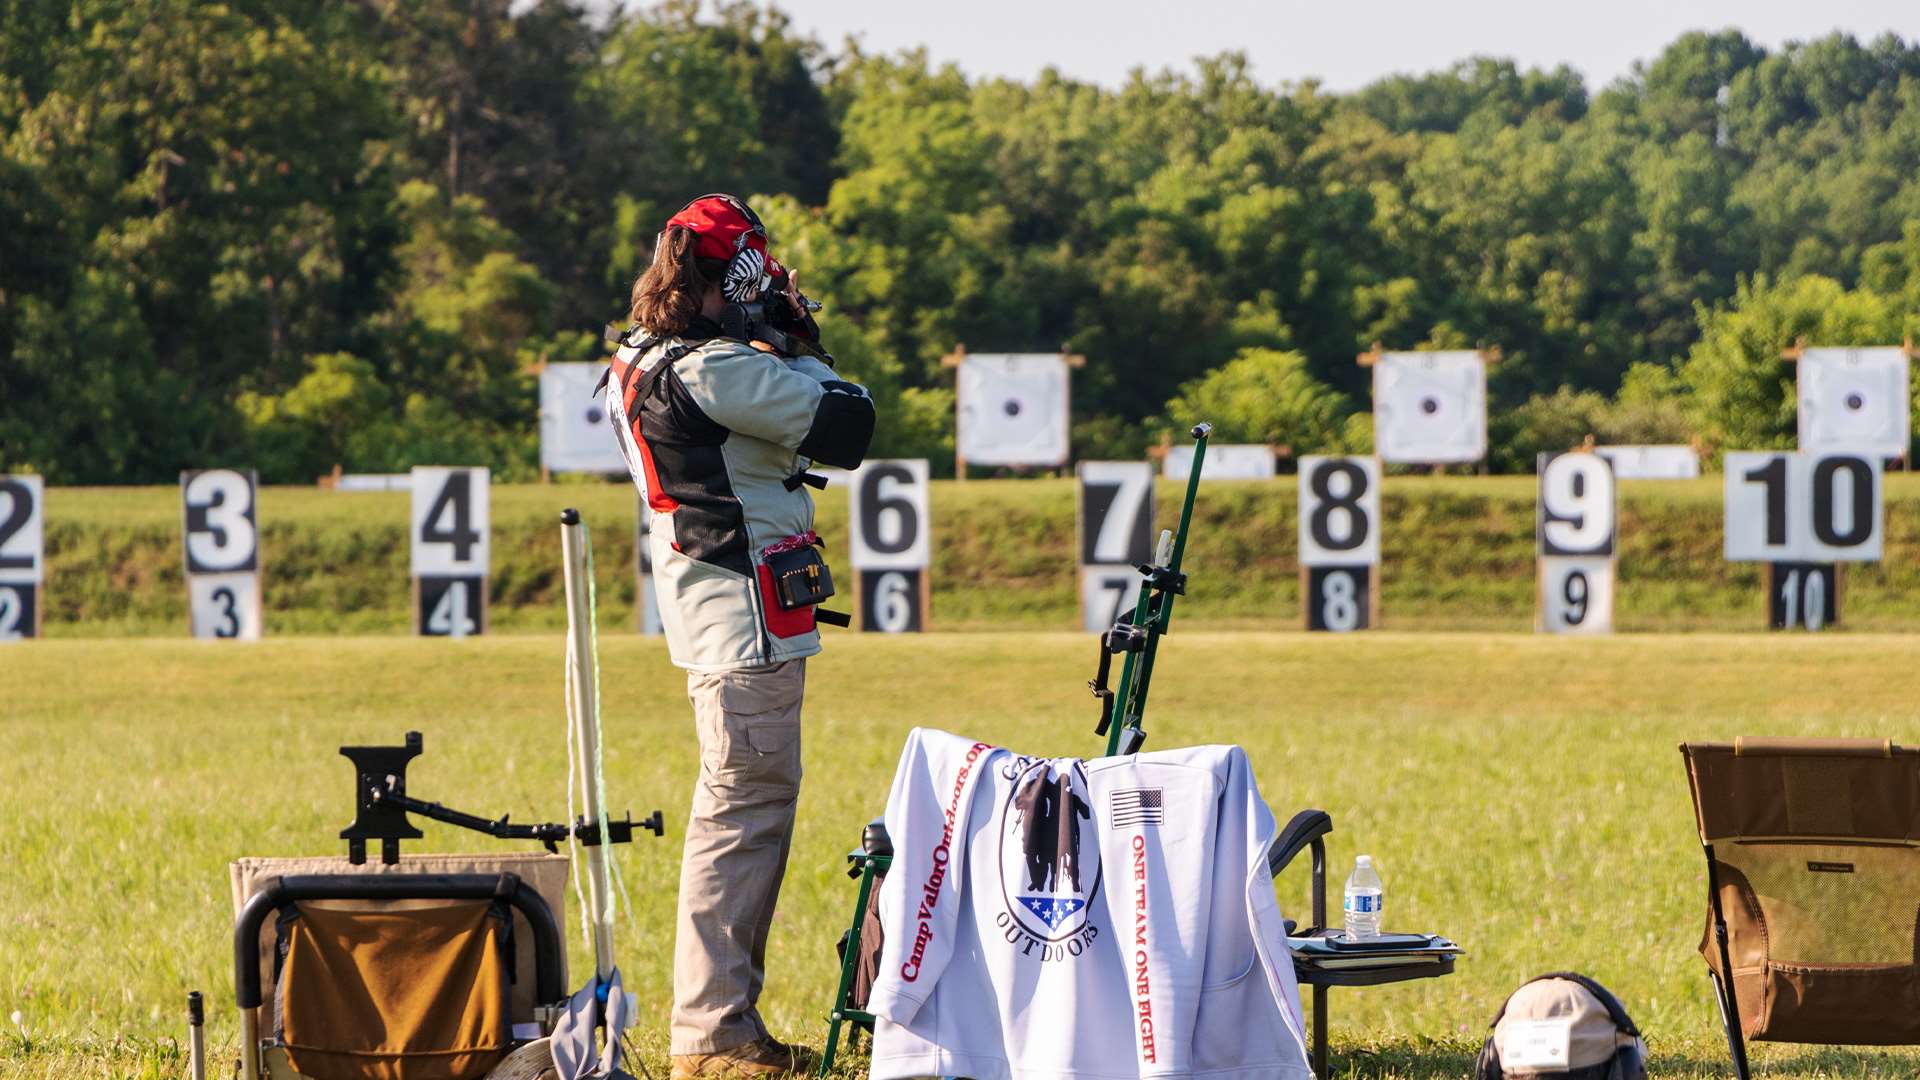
pixel 1049 862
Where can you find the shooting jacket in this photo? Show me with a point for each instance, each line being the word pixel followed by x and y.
pixel 717 443
pixel 1107 918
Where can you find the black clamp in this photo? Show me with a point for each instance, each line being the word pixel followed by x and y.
pixel 1124 637
pixel 1163 579
pixel 618 832
pixel 812 480
pixel 379 770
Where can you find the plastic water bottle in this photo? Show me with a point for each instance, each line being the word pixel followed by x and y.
pixel 1366 899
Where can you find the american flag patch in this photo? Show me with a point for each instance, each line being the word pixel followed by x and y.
pixel 1139 806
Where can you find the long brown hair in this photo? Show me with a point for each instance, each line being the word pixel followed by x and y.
pixel 667 295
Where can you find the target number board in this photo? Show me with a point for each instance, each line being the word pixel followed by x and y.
pixel 890 545
pixel 450 531
pixel 1802 596
pixel 1115 515
pixel 1576 532
pixel 1787 507
pixel 1339 542
pixel 22 556
pixel 1803 514
pixel 222 553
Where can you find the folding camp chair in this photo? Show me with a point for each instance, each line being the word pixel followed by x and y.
pixel 438 967
pixel 1813 889
pixel 1307 832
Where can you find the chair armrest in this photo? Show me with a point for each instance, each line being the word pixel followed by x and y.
pixel 1306 827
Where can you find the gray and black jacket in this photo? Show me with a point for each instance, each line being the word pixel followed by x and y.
pixel 719 441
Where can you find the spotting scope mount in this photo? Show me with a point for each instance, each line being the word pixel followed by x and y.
pixel 381 805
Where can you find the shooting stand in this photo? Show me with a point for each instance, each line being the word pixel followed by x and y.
pixel 381 806
pixel 1136 634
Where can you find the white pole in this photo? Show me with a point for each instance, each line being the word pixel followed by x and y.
pixel 580 654
pixel 196 1037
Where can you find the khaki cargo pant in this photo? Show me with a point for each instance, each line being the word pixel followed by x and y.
pixel 736 851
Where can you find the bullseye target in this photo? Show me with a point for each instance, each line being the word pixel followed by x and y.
pixel 1012 409
pixel 1430 407
pixel 1854 400
pixel 575 435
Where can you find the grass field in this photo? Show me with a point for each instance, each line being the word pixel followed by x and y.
pixel 1457 554
pixel 1522 794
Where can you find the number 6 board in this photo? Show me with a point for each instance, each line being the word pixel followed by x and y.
pixel 450 531
pixel 1576 527
pixel 222 541
pixel 890 546
pixel 22 556
pixel 1339 542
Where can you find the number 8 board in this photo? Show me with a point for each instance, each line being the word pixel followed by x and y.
pixel 1339 542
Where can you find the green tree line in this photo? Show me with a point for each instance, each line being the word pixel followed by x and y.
pixel 294 235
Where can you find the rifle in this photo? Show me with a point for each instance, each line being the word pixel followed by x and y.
pixel 1137 633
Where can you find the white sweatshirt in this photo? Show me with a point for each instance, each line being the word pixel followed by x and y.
pixel 1110 918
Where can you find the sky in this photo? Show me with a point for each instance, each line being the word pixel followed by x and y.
pixel 1344 45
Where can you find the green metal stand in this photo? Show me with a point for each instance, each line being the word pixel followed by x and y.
pixel 866 867
pixel 1138 636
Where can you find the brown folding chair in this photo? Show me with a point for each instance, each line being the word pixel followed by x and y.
pixel 1813 889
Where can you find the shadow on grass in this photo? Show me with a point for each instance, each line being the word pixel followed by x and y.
pixel 1453 1059
pixel 1413 1059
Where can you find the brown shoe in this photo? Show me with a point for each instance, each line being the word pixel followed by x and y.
pixel 767 1058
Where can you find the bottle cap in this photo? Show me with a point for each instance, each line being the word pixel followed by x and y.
pixel 1363 860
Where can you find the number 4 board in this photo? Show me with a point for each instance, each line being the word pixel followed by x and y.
pixel 450 532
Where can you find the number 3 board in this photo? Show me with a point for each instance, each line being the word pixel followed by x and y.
pixel 222 542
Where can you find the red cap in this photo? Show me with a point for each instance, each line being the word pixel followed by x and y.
pixel 724 225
